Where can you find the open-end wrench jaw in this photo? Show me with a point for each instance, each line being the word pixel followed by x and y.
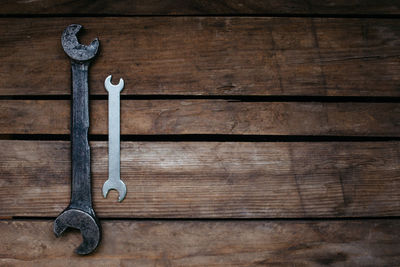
pixel 118 185
pixel 111 87
pixel 83 221
pixel 73 48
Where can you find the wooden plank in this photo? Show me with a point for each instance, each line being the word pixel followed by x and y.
pixel 210 179
pixel 195 7
pixel 209 56
pixel 208 243
pixel 152 117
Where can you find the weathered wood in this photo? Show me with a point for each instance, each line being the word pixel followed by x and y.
pixel 210 179
pixel 208 117
pixel 209 56
pixel 208 243
pixel 197 7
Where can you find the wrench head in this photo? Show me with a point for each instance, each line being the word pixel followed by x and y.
pixel 111 87
pixel 83 221
pixel 118 185
pixel 73 48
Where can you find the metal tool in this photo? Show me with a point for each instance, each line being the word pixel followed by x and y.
pixel 80 214
pixel 114 180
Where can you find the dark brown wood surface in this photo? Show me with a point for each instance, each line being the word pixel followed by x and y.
pixel 209 56
pixel 155 117
pixel 282 120
pixel 210 179
pixel 208 243
pixel 201 7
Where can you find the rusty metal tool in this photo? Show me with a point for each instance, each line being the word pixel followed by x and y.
pixel 114 180
pixel 80 214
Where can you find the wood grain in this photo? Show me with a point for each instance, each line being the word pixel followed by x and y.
pixel 208 243
pixel 155 117
pixel 210 179
pixel 209 56
pixel 197 7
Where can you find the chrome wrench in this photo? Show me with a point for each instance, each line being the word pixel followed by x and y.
pixel 114 180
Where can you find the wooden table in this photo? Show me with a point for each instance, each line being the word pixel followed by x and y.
pixel 254 133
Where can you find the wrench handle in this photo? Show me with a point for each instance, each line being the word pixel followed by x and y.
pixel 81 196
pixel 114 134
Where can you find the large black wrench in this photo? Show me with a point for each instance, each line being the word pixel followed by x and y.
pixel 80 214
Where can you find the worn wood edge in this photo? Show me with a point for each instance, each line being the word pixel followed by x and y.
pixel 209 56
pixel 208 243
pixel 191 117
pixel 194 7
pixel 210 179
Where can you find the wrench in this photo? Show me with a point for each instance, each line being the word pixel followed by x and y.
pixel 79 214
pixel 114 180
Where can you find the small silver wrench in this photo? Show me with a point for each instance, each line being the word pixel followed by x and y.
pixel 114 180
